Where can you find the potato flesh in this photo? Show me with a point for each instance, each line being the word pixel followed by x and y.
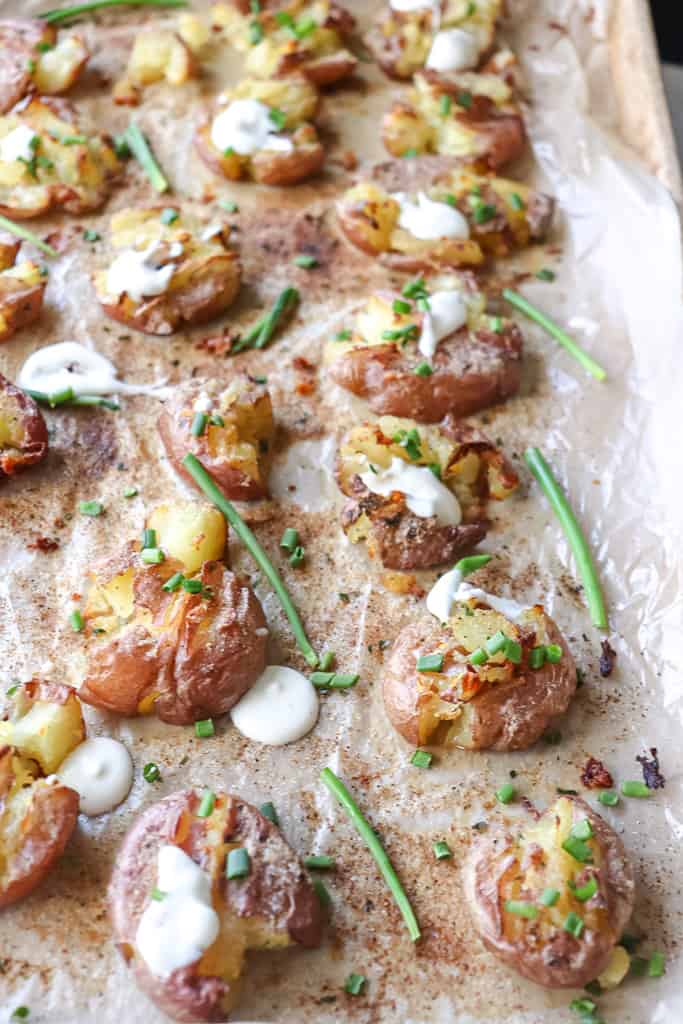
pixel 248 426
pixel 159 56
pixel 46 732
pixel 57 69
pixel 190 532
pixel 616 970
pixel 12 432
pixel 296 98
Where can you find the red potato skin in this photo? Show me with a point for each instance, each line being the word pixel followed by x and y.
pixel 277 889
pixel 565 962
pixel 18 41
pixel 267 167
pixel 35 444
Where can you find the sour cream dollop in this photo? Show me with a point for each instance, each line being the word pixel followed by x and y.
pixel 136 272
pixel 425 495
pixel 453 49
pixel 425 218
pixel 281 707
pixel 246 126
pixel 177 930
pixel 70 365
pixel 452 589
pixel 101 772
pixel 447 313
pixel 17 144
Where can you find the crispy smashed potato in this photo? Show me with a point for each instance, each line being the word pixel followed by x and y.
pixel 294 152
pixel 462 458
pixel 205 281
pixel 183 638
pixel 401 40
pixel 502 216
pixel 553 900
pixel 23 432
pixel 474 367
pixel 237 437
pixel 45 724
pixel 273 907
pixel 60 166
pixel 470 116
pixel 22 286
pixel 33 59
pixel 296 37
pixel 502 704
pixel 157 56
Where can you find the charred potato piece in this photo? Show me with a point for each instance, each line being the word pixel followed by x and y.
pixel 474 367
pixel 237 437
pixel 205 280
pixel 466 465
pixel 401 40
pixel 185 653
pixel 572 856
pixel 157 56
pixel 23 432
pixel 46 161
pixel 469 116
pixel 502 216
pixel 22 286
pixel 32 59
pixel 273 907
pixel 44 724
pixel 503 704
pixel 291 102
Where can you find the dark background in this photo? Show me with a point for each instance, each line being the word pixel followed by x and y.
pixel 668 16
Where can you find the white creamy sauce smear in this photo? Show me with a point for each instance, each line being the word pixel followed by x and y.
pixel 137 273
pixel 425 495
pixel 16 145
pixel 246 126
pixel 177 930
pixel 101 772
pixel 427 219
pixel 447 313
pixel 453 49
pixel 70 365
pixel 281 707
pixel 452 589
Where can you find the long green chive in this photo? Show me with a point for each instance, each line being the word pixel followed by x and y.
pixel 506 794
pixel 289 539
pixel 442 850
pixel 334 680
pixel 562 509
pixel 268 811
pixel 76 621
pixel 429 663
pixel 421 759
pixel 263 331
pixel 152 556
pixel 549 897
pixel 573 924
pixel 238 864
pixel 205 482
pixel 199 422
pixel 204 728
pixel 27 236
pixel 577 849
pixel 151 772
pixel 369 837
pixel 67 397
pixel 354 984
pixel 423 370
pixel 495 643
pixel 320 862
pixel 67 13
pixel 556 332
pixel 208 802
pixel 478 657
pixel 140 149
pixel 174 583
pixel 306 261
pixel 90 508
pixel 609 798
pixel 585 892
pixel 470 564
pixel 521 908
pixel 636 789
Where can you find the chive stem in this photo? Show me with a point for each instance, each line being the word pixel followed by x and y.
pixel 66 13
pixel 367 834
pixel 556 332
pixel 261 333
pixel 67 397
pixel 140 149
pixel 27 236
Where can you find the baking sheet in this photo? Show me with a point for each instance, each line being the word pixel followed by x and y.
pixel 616 249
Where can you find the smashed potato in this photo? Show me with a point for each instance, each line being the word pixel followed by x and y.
pixel 33 59
pixel 237 434
pixel 498 216
pixel 499 701
pixel 157 56
pixel 170 630
pixel 272 905
pixel 46 161
pixel 22 286
pixel 469 116
pixel 262 130
pixel 381 360
pixel 553 900
pixel 23 431
pixel 455 459
pixel 204 280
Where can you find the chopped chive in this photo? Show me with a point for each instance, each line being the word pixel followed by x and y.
pixel 423 370
pixel 421 759
pixel 90 508
pixel 130 492
pixel 67 13
pixel 549 897
pixel 27 236
pixel 471 563
pixel 306 261
pixel 656 966
pixel 238 864
pixel 585 892
pixel 208 802
pixel 506 794
pixel 399 306
pixel 152 556
pixel 76 621
pixel 157 894
pixel 140 149
pixel 268 811
pixel 478 657
pixel 342 335
pixel 278 117
pixel 151 772
pixel 228 205
pixel 284 19
pixel 304 27
pixel 320 862
pixel 582 830
pixel 44 47
pixel 321 892
pixel 442 850
pixel 255 32
pixel 192 586
pixel 216 420
pixel 544 274
pixel 354 984
pixel 553 653
pixel 290 539
pixel 334 680
pixel 199 423
pixel 483 213
pixel 91 236
pixel 429 663
pixel 471 8
pixel 435 468
pixel 550 487
pixel 521 908
pixel 573 924
pixel 409 153
pixel 74 140
pixel 513 651
pixel 12 690
pixel 204 728
pixel 297 556
pixel 635 789
pixel 496 643
pixel 556 332
pixel 169 215
pixel 516 201
pixel 327 660
pixel 464 99
pixel 228 151
pixel 609 798
pixel 415 289
pixel 401 333
pixel 20 1013
pixel 149 538
pixel 496 324
pixel 578 849
pixel 537 657
pixel 445 104
pixel 121 147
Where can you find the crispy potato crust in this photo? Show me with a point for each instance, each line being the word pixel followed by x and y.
pixel 274 907
pixel 503 867
pixel 22 286
pixel 23 431
pixel 32 60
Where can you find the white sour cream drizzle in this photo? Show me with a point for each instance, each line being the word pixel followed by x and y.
pixel 453 49
pixel 70 365
pixel 425 495
pixel 451 589
pixel 101 772
pixel 281 707
pixel 426 219
pixel 245 126
pixel 136 272
pixel 177 930
pixel 447 313
pixel 16 145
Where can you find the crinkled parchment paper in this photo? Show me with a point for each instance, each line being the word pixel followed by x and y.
pixel 616 446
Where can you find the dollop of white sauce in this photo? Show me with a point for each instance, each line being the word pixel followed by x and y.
pixel 426 219
pixel 452 589
pixel 453 49
pixel 101 772
pixel 281 707
pixel 136 272
pixel 447 313
pixel 70 365
pixel 425 494
pixel 177 930
pixel 245 126
pixel 16 145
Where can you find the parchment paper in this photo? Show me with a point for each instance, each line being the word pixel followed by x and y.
pixel 615 446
